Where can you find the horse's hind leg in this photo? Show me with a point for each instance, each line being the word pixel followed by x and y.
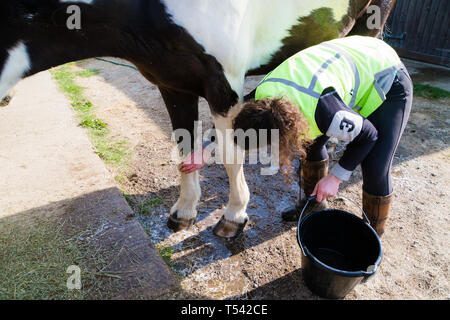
pixel 183 111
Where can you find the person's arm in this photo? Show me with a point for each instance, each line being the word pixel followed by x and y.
pixel 337 120
pixel 356 151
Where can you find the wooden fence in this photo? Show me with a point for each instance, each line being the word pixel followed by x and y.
pixel 419 30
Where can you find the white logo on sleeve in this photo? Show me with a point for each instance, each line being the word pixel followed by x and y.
pixel 345 126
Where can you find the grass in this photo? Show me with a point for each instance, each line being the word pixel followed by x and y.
pixel 128 198
pixel 111 151
pixel 66 81
pixel 166 254
pixel 35 256
pixel 95 124
pixel 429 92
pixel 146 206
pixel 86 73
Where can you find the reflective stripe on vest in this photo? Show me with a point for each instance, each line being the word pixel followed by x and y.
pixel 308 91
pixel 354 69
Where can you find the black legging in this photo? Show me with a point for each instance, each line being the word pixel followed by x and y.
pixel 390 120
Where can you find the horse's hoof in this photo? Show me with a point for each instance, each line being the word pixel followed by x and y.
pixel 229 229
pixel 176 224
pixel 6 100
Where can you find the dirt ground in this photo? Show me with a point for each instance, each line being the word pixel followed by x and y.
pixel 266 262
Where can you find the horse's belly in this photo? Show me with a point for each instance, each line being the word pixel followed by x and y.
pixel 244 35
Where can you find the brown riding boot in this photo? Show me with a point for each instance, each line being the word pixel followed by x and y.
pixel 377 210
pixel 311 173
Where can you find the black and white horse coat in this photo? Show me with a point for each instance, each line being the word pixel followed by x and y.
pixel 188 48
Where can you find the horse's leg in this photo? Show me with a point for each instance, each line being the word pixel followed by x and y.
pixel 183 111
pixel 234 216
pixel 224 98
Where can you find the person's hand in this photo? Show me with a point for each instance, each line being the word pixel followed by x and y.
pixel 327 187
pixel 195 161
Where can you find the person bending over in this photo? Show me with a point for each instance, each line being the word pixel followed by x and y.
pixel 355 89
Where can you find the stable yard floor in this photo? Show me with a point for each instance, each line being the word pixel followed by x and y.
pixel 266 262
pixel 60 207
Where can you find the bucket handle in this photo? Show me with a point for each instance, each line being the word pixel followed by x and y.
pixel 313 198
pixel 356 204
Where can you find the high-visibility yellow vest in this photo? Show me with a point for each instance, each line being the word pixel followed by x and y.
pixel 360 69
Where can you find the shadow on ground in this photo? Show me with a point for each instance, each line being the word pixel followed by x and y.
pixel 117 259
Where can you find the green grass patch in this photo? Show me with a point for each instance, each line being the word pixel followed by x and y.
pixel 146 206
pixel 93 123
pixel 83 107
pixel 128 198
pixel 66 81
pixel 35 256
pixel 111 151
pixel 86 73
pixel 429 92
pixel 166 254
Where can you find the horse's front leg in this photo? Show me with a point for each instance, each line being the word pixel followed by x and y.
pixel 234 217
pixel 183 111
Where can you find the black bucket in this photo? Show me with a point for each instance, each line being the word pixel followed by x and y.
pixel 339 251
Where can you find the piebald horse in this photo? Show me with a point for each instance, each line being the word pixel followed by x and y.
pixel 188 48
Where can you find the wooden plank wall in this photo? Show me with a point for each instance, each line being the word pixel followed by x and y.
pixel 419 29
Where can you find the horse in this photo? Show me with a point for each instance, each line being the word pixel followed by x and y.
pixel 188 49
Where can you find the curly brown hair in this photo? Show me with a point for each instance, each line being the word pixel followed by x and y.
pixel 278 114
